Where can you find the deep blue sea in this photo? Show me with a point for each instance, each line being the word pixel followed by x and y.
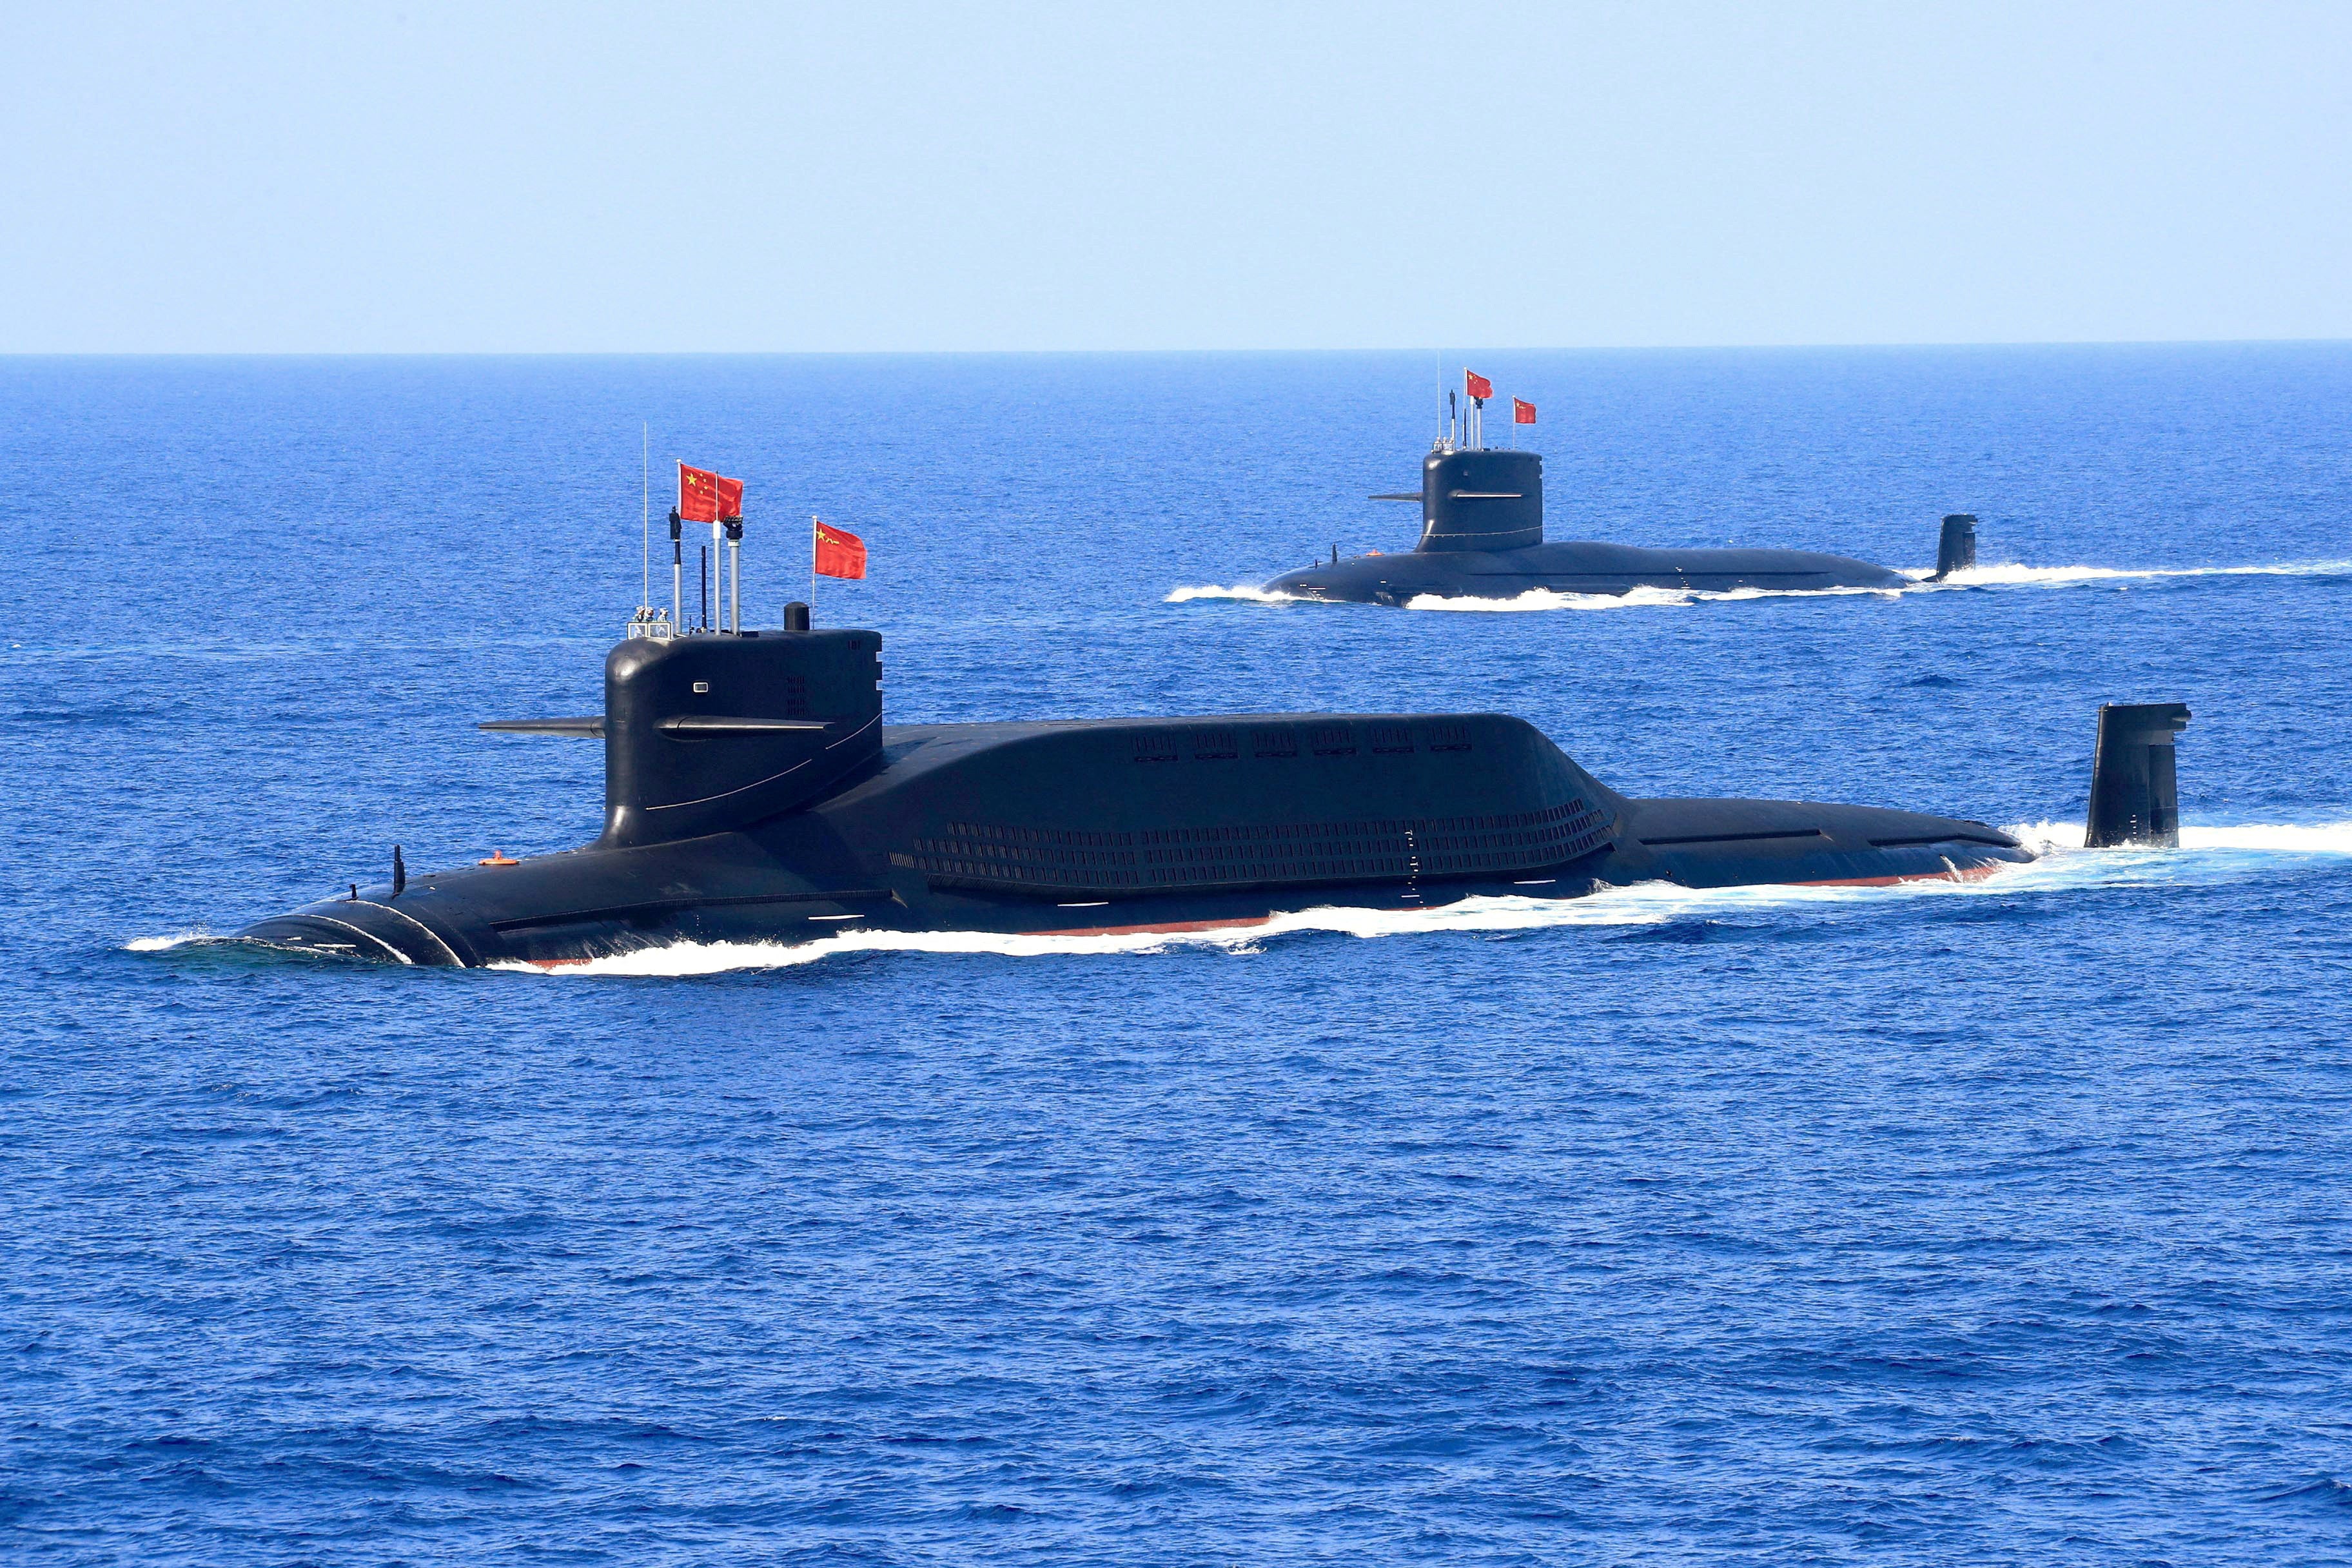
pixel 2009 1224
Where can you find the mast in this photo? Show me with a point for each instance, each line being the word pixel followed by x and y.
pixel 735 575
pixel 676 574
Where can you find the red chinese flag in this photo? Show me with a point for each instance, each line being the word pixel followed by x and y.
pixel 704 496
pixel 839 552
pixel 1522 411
pixel 1478 384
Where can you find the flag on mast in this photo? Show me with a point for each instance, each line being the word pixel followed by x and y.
pixel 839 552
pixel 704 496
pixel 1522 411
pixel 1478 385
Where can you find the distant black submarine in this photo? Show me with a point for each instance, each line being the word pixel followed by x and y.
pixel 753 795
pixel 1482 537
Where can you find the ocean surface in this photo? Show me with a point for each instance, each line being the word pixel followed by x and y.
pixel 2005 1223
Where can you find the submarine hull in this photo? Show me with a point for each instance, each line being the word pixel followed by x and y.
pixel 1576 567
pixel 1138 826
pixel 1482 537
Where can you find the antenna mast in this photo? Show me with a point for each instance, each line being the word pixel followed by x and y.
pixel 678 566
pixel 735 575
pixel 645 505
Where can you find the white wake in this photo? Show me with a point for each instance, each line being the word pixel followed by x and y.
pixel 2207 855
pixel 165 943
pixel 1652 903
pixel 2068 576
pixel 2263 838
pixel 1997 576
pixel 1241 591
pixel 1633 598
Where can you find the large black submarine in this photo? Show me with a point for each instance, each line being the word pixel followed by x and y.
pixel 1482 537
pixel 752 793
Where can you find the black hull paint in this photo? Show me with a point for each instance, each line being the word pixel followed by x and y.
pixel 1482 537
pixel 1577 567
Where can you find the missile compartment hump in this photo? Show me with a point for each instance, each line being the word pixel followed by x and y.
pixel 1129 807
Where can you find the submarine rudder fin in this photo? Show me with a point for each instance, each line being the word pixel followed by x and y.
pixel 1956 548
pixel 2135 787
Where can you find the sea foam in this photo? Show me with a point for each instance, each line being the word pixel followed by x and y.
pixel 1994 576
pixel 2207 855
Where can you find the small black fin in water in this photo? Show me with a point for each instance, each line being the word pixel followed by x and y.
pixel 588 728
pixel 1956 549
pixel 2135 793
pixel 399 873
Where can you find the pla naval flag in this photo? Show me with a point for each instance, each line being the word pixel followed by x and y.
pixel 839 552
pixel 704 496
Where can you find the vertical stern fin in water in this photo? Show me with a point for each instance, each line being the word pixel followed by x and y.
pixel 2135 793
pixel 1956 550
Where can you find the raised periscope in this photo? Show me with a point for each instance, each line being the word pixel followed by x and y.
pixel 1482 537
pixel 753 793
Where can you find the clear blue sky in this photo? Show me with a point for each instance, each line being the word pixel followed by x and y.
pixel 307 177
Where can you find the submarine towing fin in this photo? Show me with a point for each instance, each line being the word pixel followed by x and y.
pixel 1956 550
pixel 2135 791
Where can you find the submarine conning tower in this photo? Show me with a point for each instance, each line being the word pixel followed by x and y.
pixel 1481 499
pixel 704 734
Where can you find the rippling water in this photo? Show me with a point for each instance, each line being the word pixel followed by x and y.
pixel 1986 1224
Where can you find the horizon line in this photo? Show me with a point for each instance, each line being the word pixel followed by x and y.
pixel 1108 352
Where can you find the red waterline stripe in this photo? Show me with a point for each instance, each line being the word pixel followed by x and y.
pixel 1957 874
pixel 1173 925
pixel 1082 931
pixel 1963 873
